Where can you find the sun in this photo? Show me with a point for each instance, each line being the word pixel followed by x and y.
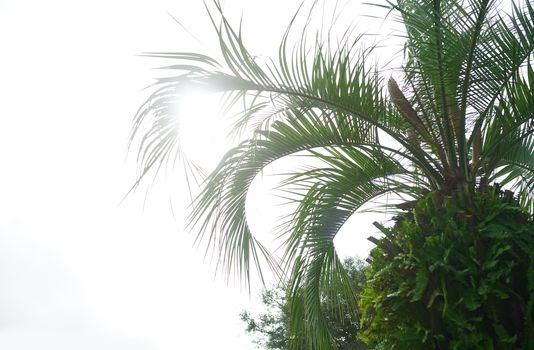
pixel 200 128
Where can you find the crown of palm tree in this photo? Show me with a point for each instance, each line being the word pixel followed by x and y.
pixel 465 114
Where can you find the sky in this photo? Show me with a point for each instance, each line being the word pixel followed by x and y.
pixel 78 270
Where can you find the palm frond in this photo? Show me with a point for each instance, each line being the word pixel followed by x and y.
pixel 327 196
pixel 509 140
pixel 219 210
pixel 505 47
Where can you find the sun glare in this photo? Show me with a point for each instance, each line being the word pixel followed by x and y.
pixel 201 130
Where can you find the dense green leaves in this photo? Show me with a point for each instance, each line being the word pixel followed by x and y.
pixel 462 277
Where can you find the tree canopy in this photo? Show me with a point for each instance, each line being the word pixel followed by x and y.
pixel 270 328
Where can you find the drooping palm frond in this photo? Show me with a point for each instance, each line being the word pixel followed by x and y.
pixel 327 197
pixel 462 113
pixel 508 154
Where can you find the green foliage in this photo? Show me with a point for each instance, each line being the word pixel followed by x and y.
pixel 454 276
pixel 271 328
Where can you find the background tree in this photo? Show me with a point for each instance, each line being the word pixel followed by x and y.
pixel 461 119
pixel 270 328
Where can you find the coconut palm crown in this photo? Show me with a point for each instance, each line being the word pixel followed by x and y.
pixel 461 114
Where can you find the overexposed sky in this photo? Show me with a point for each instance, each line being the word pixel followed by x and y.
pixel 78 272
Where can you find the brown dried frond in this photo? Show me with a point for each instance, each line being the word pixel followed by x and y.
pixel 405 107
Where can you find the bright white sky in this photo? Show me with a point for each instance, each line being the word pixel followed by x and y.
pixel 76 271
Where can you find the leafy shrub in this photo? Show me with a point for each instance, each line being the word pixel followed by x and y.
pixel 453 276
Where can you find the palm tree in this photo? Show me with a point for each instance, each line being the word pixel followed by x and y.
pixel 462 118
